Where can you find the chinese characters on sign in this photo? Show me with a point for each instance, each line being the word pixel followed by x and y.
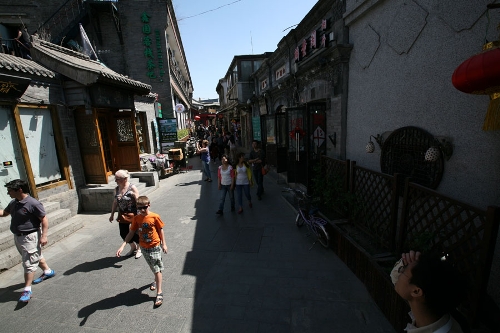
pixel 263 84
pixel 160 55
pixel 309 44
pixel 323 24
pixel 280 72
pixel 6 86
pixel 148 49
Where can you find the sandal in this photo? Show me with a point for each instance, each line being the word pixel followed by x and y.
pixel 159 299
pixel 152 286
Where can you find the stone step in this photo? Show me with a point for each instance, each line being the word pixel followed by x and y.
pixel 55 218
pixel 49 208
pixel 99 198
pixel 10 257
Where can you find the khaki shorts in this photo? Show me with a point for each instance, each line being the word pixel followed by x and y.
pixel 30 249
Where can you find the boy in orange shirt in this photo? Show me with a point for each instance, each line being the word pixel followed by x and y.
pixel 152 241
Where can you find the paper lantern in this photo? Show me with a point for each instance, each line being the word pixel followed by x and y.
pixel 480 74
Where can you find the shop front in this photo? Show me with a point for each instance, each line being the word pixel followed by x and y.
pixel 102 102
pixel 33 144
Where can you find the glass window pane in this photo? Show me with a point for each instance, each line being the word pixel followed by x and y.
pixel 39 136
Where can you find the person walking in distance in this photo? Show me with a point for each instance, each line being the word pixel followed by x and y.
pixel 225 176
pixel 257 158
pixel 30 227
pixel 204 152
pixel 152 240
pixel 126 195
pixel 243 181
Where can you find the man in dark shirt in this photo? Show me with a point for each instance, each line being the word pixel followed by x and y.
pixel 28 215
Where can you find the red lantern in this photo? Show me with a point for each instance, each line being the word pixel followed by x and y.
pixel 480 74
pixel 197 117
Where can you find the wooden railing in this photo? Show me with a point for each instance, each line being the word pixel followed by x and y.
pixel 464 233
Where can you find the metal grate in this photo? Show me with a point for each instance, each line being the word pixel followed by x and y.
pixel 404 151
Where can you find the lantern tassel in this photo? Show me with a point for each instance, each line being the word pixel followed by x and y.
pixel 492 119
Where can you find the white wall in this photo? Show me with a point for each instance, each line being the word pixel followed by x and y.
pixel 404 55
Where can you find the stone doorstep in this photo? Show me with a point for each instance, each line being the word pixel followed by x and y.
pixel 55 218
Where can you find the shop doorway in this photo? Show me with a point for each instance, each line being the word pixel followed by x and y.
pixel 297 143
pixel 108 142
pixel 306 141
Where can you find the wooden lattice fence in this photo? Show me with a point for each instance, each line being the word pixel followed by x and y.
pixel 374 207
pixel 427 221
pixel 465 234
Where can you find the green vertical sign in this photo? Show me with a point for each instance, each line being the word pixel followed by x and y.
pixel 256 128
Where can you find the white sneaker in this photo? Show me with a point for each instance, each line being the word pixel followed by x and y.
pixel 138 254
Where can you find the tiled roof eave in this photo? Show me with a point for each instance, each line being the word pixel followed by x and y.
pixel 69 62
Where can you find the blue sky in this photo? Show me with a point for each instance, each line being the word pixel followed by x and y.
pixel 211 40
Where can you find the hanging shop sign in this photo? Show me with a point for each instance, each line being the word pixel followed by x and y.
pixel 154 65
pixel 168 133
pixel 280 72
pixel 107 96
pixel 12 87
pixel 179 108
pixel 310 43
pixel 256 128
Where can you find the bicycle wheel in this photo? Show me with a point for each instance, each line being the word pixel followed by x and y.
pixel 323 237
pixel 299 220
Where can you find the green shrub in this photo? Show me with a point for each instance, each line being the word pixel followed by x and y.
pixel 181 133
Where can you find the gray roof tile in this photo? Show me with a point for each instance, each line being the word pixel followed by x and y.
pixel 20 65
pixel 81 62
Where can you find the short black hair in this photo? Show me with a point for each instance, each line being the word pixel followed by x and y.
pixel 443 286
pixel 17 184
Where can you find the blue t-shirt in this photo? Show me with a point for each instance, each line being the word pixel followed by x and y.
pixel 205 156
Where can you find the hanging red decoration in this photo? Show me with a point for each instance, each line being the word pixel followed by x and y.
pixel 300 131
pixel 480 75
pixel 197 117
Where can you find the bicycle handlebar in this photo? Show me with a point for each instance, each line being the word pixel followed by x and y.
pixel 304 194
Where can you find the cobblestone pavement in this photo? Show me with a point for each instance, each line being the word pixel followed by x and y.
pixel 249 272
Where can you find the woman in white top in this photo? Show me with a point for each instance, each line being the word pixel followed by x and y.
pixel 243 180
pixel 225 175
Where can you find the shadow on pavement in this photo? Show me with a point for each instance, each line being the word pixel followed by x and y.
pixel 10 293
pixel 197 182
pixel 96 265
pixel 129 298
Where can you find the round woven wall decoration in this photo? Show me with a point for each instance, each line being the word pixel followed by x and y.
pixel 404 152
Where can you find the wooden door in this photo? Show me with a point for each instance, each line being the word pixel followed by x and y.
pixel 124 143
pixel 91 150
pixel 297 146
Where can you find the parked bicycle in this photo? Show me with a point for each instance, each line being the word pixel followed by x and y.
pixel 306 213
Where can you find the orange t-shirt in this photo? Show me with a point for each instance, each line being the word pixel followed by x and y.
pixel 149 227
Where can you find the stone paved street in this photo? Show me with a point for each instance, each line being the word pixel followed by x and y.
pixel 249 272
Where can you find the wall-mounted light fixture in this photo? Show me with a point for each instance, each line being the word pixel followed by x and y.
pixel 370 146
pixel 442 145
pixel 333 139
